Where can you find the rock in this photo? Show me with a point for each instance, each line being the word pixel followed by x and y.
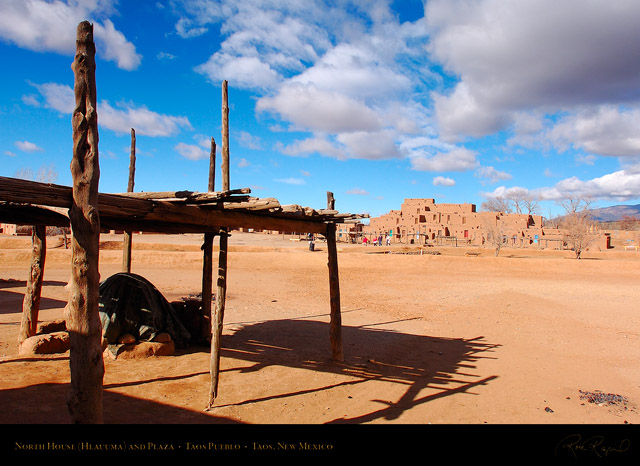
pixel 162 338
pixel 145 349
pixel 127 339
pixel 48 343
pixel 59 325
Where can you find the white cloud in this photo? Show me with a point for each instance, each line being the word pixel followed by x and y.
pixel 458 159
pixel 27 146
pixel 605 130
pixel 376 145
pixel 191 151
pixel 120 118
pixel 492 174
pixel 621 186
pixel 242 163
pixel 313 109
pixel 443 181
pixel 249 141
pixel 59 97
pixel 314 145
pixel 51 26
pixel 294 181
pixel 358 192
pixel 145 121
pixel 531 54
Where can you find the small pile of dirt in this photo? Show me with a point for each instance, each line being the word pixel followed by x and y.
pixel 601 398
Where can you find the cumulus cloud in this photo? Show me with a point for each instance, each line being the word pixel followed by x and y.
pixel 605 130
pixel 443 181
pixel 620 186
pixel 27 146
pixel 51 26
pixel 358 192
pixel 458 159
pixel 191 151
pixel 346 74
pixel 291 180
pixel 120 118
pixel 313 145
pixel 532 54
pixel 310 108
pixel 491 174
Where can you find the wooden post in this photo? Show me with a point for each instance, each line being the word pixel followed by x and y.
pixel 31 302
pixel 207 263
pixel 331 202
pixel 126 256
pixel 212 166
pixel 217 317
pixel 83 321
pixel 225 136
pixel 335 329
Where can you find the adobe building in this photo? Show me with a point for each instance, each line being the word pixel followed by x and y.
pixel 423 222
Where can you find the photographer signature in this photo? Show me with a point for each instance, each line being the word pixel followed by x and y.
pixel 596 445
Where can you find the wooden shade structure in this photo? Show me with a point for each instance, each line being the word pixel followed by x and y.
pixel 86 211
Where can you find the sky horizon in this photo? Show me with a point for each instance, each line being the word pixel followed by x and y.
pixel 376 101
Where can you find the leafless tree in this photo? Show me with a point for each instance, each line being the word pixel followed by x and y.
pixel 495 232
pixel 496 204
pixel 577 223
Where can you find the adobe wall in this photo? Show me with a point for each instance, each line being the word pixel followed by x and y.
pixel 422 221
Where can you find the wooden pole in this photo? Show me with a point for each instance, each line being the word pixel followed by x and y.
pixel 83 321
pixel 31 302
pixel 217 317
pixel 207 263
pixel 225 136
pixel 126 256
pixel 212 167
pixel 335 329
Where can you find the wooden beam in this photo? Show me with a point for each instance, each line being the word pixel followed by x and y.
pixel 134 214
pixel 83 321
pixel 31 301
pixel 126 253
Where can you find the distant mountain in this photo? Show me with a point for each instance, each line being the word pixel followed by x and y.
pixel 615 213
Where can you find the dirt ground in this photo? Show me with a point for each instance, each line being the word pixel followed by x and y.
pixel 428 339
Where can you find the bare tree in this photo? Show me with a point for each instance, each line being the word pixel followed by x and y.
pixel 496 204
pixel 495 232
pixel 577 224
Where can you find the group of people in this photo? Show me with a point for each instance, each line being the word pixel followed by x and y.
pixel 377 241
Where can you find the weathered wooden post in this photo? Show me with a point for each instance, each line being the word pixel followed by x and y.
pixel 207 247
pixel 83 321
pixel 335 329
pixel 31 302
pixel 217 317
pixel 126 254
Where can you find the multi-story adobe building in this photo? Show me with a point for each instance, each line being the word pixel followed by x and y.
pixel 422 221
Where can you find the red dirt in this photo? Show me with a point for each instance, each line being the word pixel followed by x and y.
pixel 439 339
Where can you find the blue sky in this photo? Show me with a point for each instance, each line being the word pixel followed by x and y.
pixel 377 101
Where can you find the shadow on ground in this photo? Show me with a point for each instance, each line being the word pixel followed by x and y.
pixel 445 366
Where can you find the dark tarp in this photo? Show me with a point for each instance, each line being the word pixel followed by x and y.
pixel 130 304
